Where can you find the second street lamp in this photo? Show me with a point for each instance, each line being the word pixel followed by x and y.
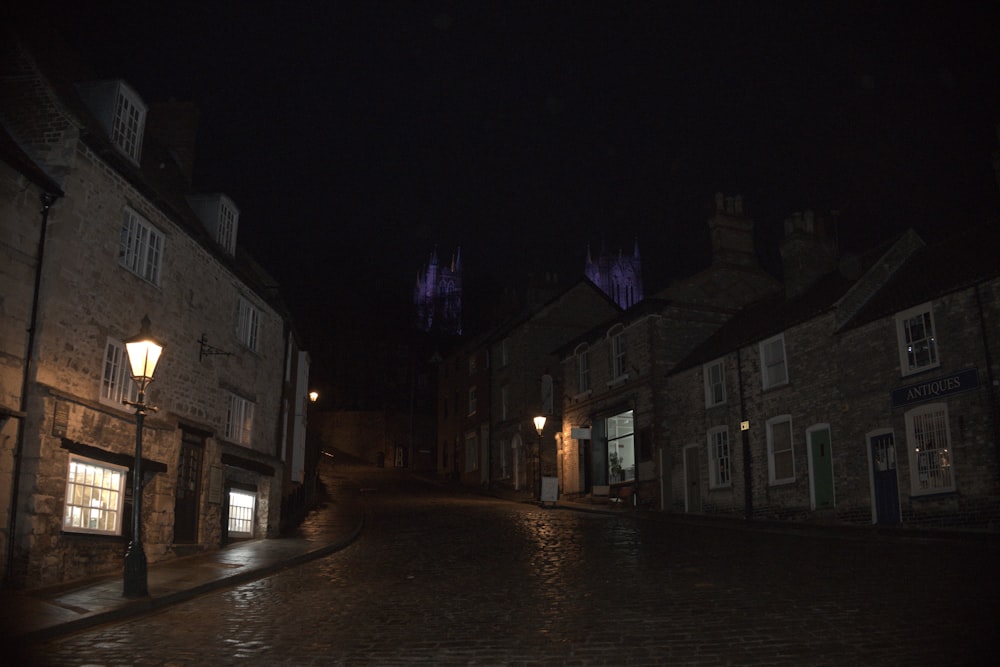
pixel 539 426
pixel 143 354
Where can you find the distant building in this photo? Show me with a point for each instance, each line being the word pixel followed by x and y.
pixel 620 277
pixel 437 296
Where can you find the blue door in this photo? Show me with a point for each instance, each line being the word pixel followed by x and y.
pixel 886 486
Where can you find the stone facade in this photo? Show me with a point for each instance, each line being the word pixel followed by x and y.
pixel 622 402
pixel 871 440
pixel 88 301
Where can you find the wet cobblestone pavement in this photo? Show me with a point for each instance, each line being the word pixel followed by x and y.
pixel 439 578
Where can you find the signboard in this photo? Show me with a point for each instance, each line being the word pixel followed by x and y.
pixel 580 433
pixel 550 489
pixel 928 390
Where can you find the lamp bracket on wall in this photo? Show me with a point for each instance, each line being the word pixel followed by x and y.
pixel 206 350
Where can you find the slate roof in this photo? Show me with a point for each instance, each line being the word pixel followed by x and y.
pixel 956 262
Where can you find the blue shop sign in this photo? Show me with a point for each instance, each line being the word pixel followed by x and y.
pixel 949 385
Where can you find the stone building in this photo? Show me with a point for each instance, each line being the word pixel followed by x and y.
pixel 619 276
pixel 118 235
pixel 437 296
pixel 866 392
pixel 614 426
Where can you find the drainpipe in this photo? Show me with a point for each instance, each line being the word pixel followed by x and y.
pixel 990 381
pixel 745 436
pixel 48 200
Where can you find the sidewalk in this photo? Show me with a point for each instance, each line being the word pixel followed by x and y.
pixel 40 614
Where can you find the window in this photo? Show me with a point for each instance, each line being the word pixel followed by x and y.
pixel 140 248
pixel 773 369
pixel 471 452
pixel 228 220
pixel 239 420
pixel 780 457
pixel 621 447
pixel 505 458
pixel 504 402
pixel 548 395
pixel 715 383
pixel 917 345
pixel 718 457
pixel 583 370
pixel 472 400
pixel 930 449
pixel 95 493
pixel 116 382
pixel 247 324
pixel 241 512
pixel 505 352
pixel 472 364
pixel 128 122
pixel 618 354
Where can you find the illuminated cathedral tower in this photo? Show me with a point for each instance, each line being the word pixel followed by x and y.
pixel 438 296
pixel 619 277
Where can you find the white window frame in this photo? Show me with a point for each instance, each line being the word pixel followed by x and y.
pixel 239 420
pixel 472 401
pixel 583 369
pixel 242 513
pixel 617 354
pixel 772 424
pixel 720 462
pixel 908 361
pixel 95 496
pixel 128 122
pixel 248 324
pixel 229 219
pixel 769 362
pixel 928 439
pixel 140 247
pixel 117 384
pixel 715 383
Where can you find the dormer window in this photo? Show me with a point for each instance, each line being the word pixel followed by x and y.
pixel 129 122
pixel 220 216
pixel 120 111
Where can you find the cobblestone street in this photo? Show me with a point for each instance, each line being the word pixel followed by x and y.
pixel 439 577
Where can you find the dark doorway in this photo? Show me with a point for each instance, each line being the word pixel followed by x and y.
pixel 188 494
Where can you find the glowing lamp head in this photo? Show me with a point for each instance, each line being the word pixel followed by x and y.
pixel 313 396
pixel 539 424
pixel 143 353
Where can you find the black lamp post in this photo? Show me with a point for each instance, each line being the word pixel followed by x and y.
pixel 143 353
pixel 539 426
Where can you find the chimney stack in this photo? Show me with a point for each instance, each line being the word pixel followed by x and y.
pixel 808 251
pixel 732 233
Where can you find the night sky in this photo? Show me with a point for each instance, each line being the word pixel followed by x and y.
pixel 355 137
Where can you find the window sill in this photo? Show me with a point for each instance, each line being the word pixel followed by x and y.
pixel 775 387
pixel 583 395
pixel 917 371
pixel 781 482
pixel 621 379
pixel 931 495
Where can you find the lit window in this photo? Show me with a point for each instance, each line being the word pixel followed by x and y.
pixel 116 382
pixel 930 449
pixel 140 249
pixel 780 455
pixel 773 369
pixel 715 383
pixel 917 344
pixel 128 122
pixel 241 512
pixel 95 493
pixel 239 420
pixel 247 324
pixel 718 457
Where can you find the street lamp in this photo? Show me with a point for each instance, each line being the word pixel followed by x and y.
pixel 539 426
pixel 143 353
pixel 313 396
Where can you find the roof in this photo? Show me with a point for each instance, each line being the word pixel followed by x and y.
pixel 958 261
